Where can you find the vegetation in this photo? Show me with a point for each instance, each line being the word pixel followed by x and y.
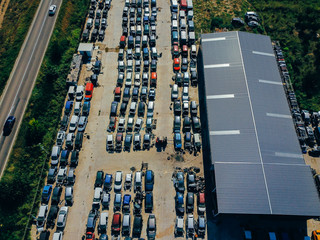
pixel 294 23
pixel 17 21
pixel 39 127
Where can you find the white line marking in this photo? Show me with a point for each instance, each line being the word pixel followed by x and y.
pixel 254 122
pixel 253 163
pixel 270 82
pixel 222 96
pixel 213 39
pixel 288 155
pixel 278 115
pixel 263 53
pixel 217 65
pixel 226 132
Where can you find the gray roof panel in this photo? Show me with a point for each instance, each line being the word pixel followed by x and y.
pixel 259 168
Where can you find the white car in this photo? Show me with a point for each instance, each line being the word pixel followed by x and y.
pixel 52 10
pixel 57 236
pixel 118 181
pixel 62 217
pixel 73 123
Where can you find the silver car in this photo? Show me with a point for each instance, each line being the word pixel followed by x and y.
pixel 82 123
pixel 62 218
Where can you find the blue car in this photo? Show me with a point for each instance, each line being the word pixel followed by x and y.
pixel 46 194
pixel 126 203
pixel 7 128
pixel 149 181
pixel 177 141
pixel 108 182
pixel 68 107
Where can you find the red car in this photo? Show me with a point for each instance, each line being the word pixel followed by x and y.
pixel 90 236
pixel 184 50
pixel 116 223
pixel 89 90
pixel 175 51
pixel 176 64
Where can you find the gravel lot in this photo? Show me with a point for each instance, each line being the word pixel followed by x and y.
pixel 93 156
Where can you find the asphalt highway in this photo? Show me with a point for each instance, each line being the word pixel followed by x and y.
pixel 18 90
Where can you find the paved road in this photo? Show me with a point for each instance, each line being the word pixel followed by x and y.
pixel 19 87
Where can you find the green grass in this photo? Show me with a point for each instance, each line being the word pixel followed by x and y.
pixel 40 124
pixel 296 24
pixel 17 21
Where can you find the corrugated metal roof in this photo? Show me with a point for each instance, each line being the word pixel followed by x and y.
pixel 259 168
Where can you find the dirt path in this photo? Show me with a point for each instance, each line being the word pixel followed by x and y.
pixel 3 8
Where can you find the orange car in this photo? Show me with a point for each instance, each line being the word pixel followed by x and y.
pixel 176 64
pixel 89 90
pixel 315 235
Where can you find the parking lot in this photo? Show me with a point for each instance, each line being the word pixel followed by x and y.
pixel 93 156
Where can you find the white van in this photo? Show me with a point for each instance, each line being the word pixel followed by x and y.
pixel 133 107
pixel 138 181
pixel 103 222
pixel 89 23
pixel 185 94
pixel 73 123
pixel 79 93
pixel 71 92
pixel 97 197
pixel 126 224
pixel 128 79
pixel 55 154
pixel 154 54
pixel 57 236
pixel 150 109
pixel 189 4
pixel 174 25
pixel 42 217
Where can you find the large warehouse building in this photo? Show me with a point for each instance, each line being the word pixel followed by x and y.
pixel 249 140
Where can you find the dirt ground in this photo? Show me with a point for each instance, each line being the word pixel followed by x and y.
pixel 94 157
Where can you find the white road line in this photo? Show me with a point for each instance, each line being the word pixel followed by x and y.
pixel 254 121
pixel 263 53
pixel 288 155
pixel 222 96
pixel 255 163
pixel 270 82
pixel 278 115
pixel 213 39
pixel 217 65
pixel 224 132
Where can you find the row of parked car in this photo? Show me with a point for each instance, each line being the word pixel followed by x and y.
pixel 194 187
pixel 135 91
pixel 64 160
pixel 122 225
pixel 306 123
pixel 97 19
pixel 184 66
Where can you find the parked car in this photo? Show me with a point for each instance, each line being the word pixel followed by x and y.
pixel 118 181
pixel 74 158
pixel 178 231
pixel 174 92
pixel 148 202
pixel 117 202
pixel 91 222
pixel 190 225
pixel 177 141
pixel 46 194
pixel 149 180
pixel 42 218
pixel 60 138
pixel 73 123
pixel 196 125
pixel 82 123
pixel 99 179
pixel 108 182
pixel 52 215
pixel 137 226
pixel 62 218
pixel 191 182
pixel 189 202
pixel 151 227
pixel 179 182
pixel 52 174
pixel 201 226
pixel 179 203
pixel 116 224
pixel 126 203
pixel 78 141
pixel 68 196
pixel 56 195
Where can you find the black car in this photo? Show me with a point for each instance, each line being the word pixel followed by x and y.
pixel 189 202
pixel 74 158
pixel 99 179
pixel 64 122
pixel 123 109
pixel 52 215
pixel 114 109
pixel 7 128
pixel 78 141
pixel 52 174
pixel 56 194
pixel 177 107
pixel 44 235
pixel 184 65
pixel 137 226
